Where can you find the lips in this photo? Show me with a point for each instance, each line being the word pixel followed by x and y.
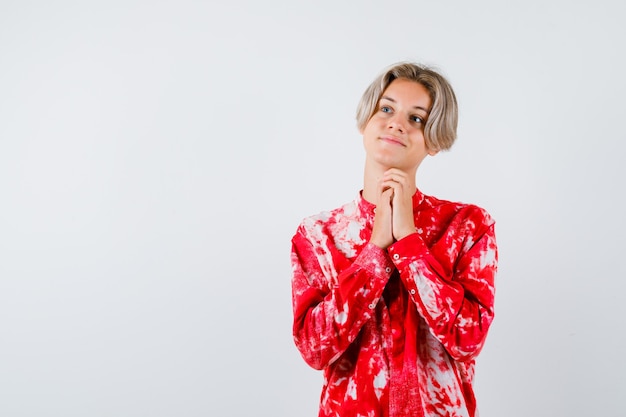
pixel 392 140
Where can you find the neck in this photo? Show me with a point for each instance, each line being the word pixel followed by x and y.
pixel 372 175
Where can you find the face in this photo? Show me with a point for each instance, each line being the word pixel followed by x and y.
pixel 394 136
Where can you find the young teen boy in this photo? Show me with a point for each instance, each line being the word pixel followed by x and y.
pixel 393 293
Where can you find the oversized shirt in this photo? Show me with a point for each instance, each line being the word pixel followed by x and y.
pixel 395 331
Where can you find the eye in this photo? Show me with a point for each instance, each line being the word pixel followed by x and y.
pixel 417 119
pixel 385 109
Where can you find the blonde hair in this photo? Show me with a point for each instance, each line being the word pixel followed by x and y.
pixel 440 128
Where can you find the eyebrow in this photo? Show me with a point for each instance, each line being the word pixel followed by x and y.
pixel 415 107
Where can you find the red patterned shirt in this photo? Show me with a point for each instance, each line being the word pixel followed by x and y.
pixel 396 331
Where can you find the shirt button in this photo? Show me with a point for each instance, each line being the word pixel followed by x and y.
pixel 372 306
pixel 412 291
pixel 396 256
pixel 388 269
pixel 374 210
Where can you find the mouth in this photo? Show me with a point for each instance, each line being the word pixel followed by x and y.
pixel 392 140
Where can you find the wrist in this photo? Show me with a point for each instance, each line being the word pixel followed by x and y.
pixel 404 233
pixel 380 243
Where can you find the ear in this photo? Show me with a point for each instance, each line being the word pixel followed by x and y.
pixel 433 152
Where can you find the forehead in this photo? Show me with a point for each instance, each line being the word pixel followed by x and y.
pixel 408 93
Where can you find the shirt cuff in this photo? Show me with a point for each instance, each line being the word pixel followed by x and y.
pixel 407 249
pixel 376 261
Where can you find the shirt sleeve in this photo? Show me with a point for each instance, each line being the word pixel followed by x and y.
pixel 333 297
pixel 455 297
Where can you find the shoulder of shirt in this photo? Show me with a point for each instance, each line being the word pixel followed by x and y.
pixel 459 208
pixel 323 217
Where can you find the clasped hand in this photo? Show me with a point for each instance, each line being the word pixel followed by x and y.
pixel 394 208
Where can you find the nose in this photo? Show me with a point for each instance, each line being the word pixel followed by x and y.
pixel 397 123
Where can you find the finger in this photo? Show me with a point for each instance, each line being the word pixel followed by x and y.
pixel 384 186
pixel 396 186
pixel 402 179
pixel 387 194
pixel 395 172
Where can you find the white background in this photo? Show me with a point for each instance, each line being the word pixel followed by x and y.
pixel 156 158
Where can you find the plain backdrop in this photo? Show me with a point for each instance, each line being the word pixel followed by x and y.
pixel 156 158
